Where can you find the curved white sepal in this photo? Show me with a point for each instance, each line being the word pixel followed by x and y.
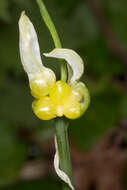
pixel 29 47
pixel 72 58
pixel 59 172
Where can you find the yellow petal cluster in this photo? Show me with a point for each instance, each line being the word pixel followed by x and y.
pixel 61 100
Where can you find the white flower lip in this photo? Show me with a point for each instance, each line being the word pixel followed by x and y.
pixel 29 47
pixel 73 59
pixel 30 51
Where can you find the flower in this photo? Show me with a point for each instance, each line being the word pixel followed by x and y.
pixel 52 98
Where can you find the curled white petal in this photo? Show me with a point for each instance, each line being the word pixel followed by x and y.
pixel 59 172
pixel 29 47
pixel 73 59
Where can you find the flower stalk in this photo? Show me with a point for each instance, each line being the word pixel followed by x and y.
pixel 50 25
pixel 61 124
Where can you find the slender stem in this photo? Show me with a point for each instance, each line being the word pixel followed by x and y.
pixel 49 23
pixel 63 148
pixel 60 123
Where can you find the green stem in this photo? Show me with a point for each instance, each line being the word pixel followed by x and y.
pixel 49 23
pixel 61 125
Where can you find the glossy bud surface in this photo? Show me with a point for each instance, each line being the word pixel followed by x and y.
pixel 61 100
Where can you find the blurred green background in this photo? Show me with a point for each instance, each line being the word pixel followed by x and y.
pixel 105 76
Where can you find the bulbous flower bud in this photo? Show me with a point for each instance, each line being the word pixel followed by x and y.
pixel 41 83
pixel 44 108
pixel 61 101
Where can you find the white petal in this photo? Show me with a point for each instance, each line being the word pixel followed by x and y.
pixel 59 172
pixel 29 48
pixel 72 58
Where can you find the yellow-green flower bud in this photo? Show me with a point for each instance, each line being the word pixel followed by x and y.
pixel 44 108
pixel 41 83
pixel 61 101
